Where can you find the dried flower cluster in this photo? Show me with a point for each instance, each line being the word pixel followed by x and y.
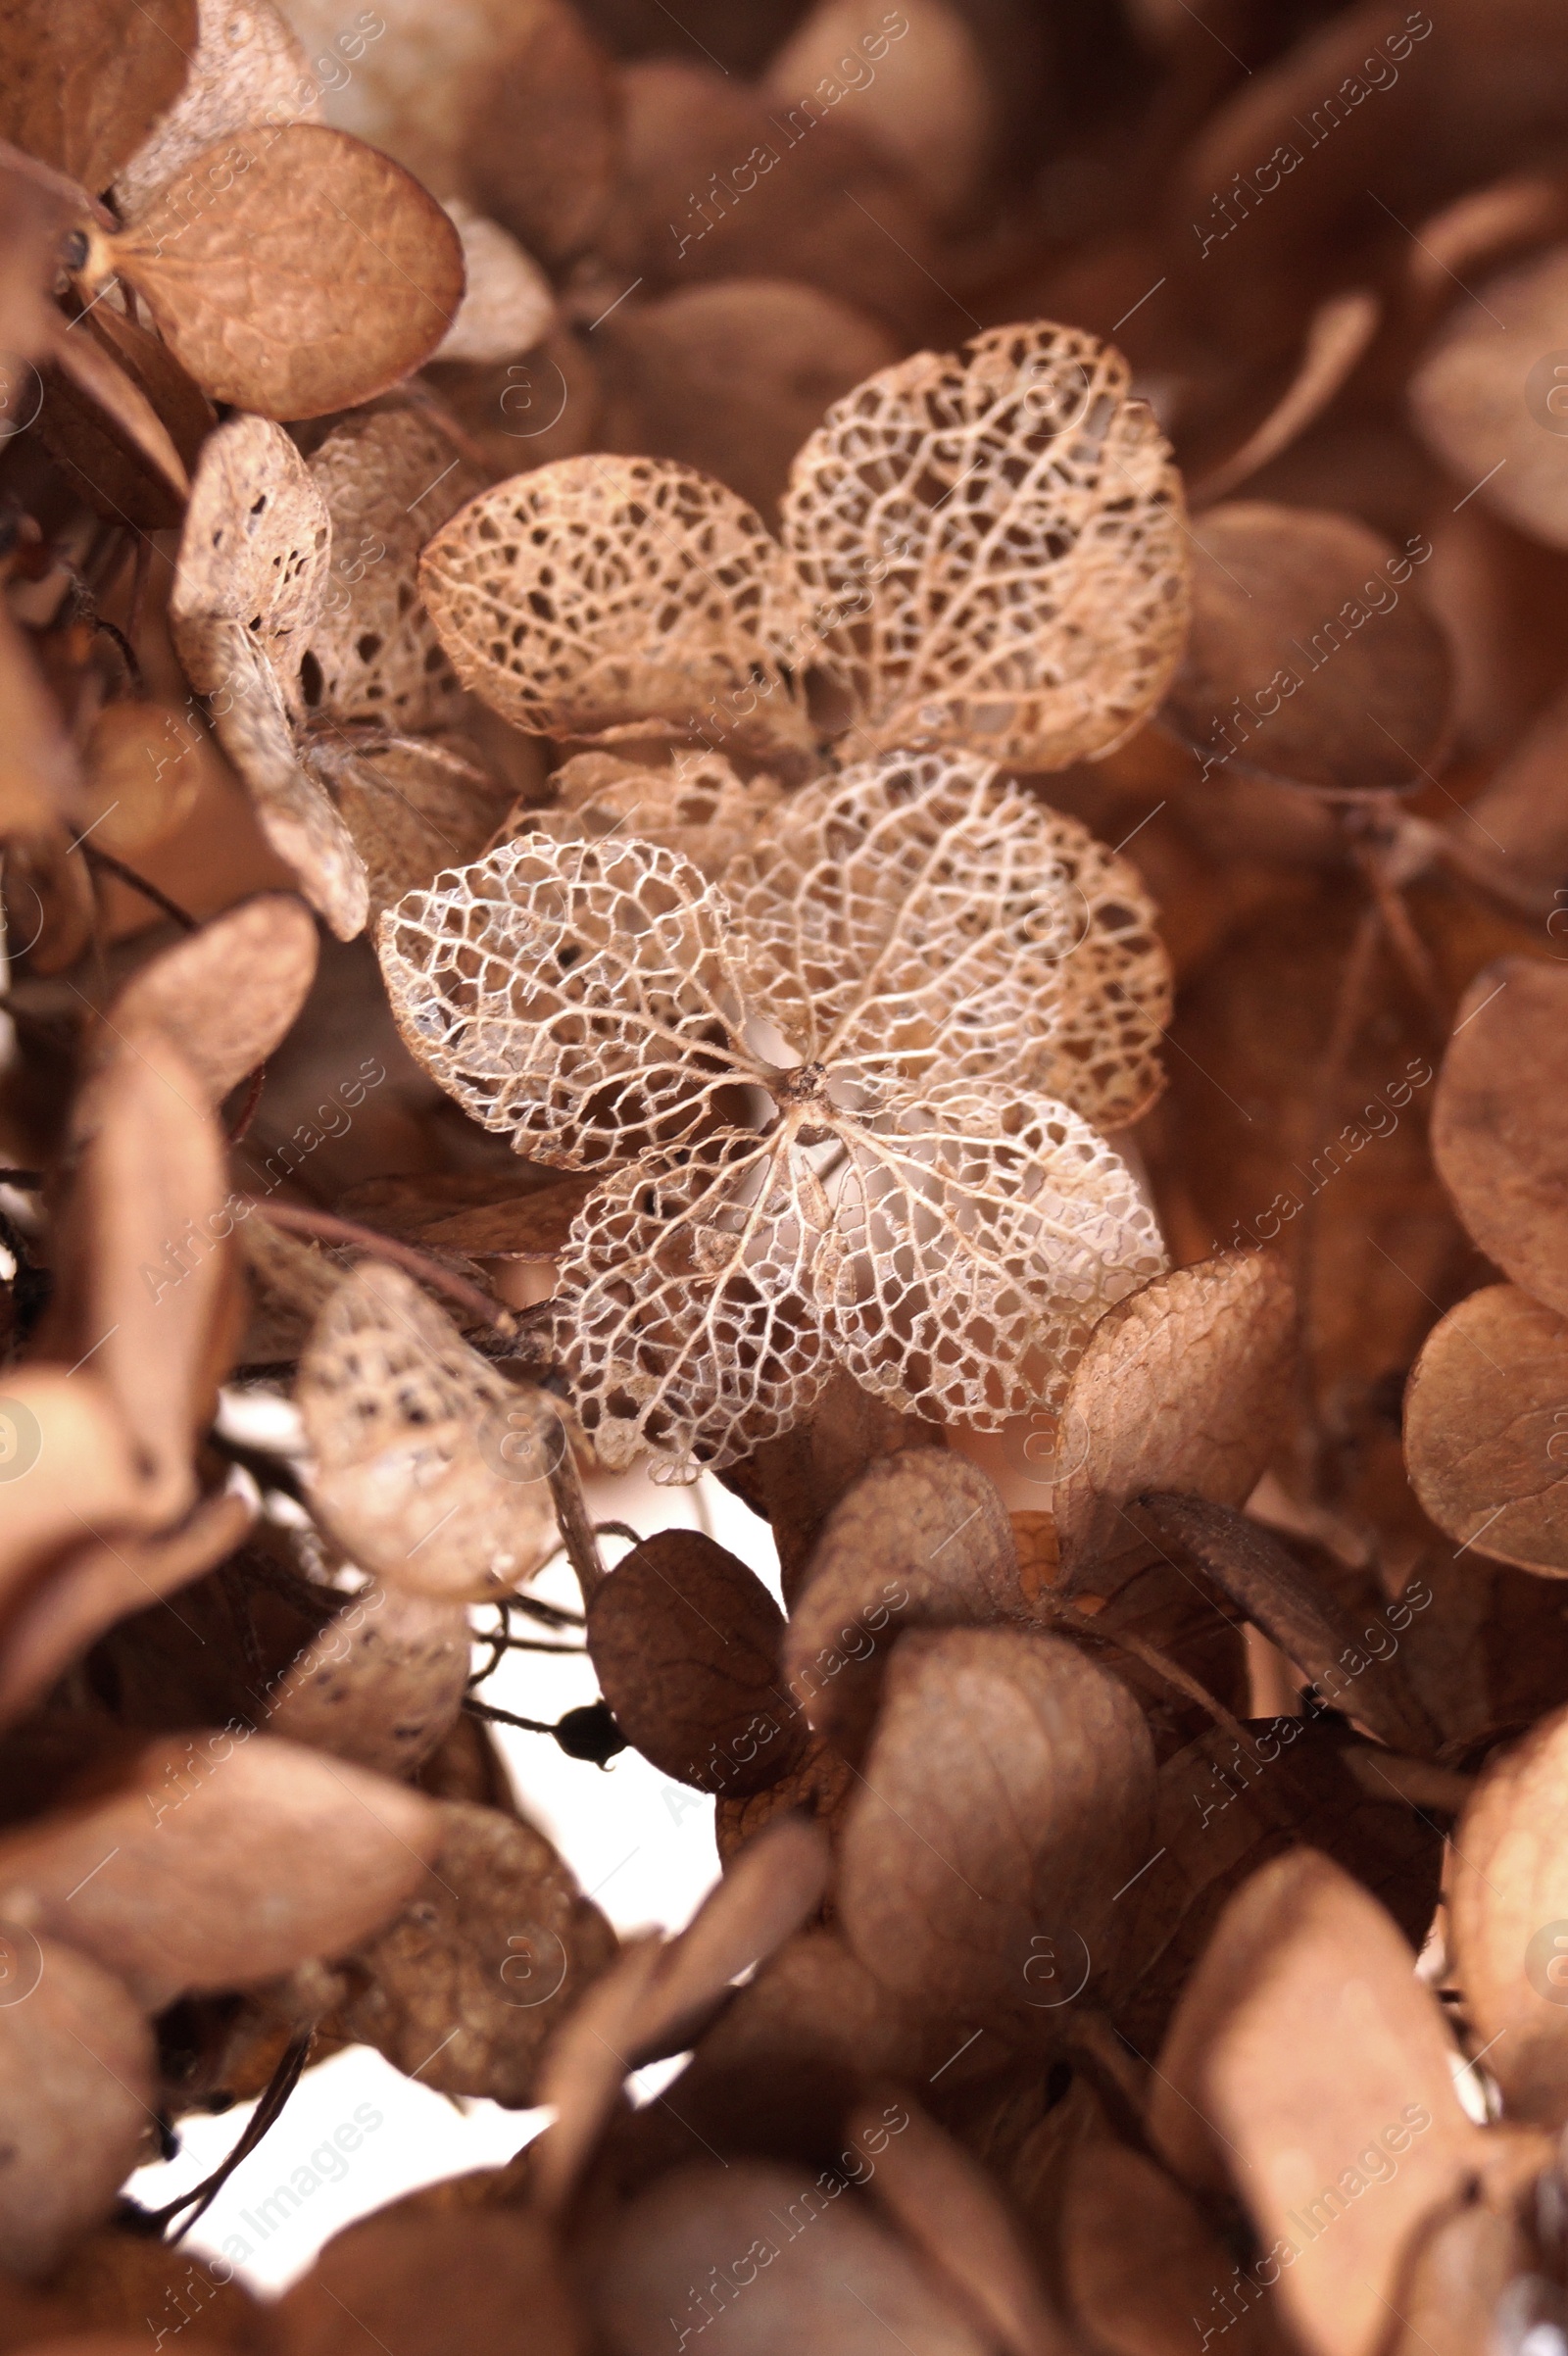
pixel 820 749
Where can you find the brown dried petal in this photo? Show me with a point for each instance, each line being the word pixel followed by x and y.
pixel 1185 1386
pixel 1482 397
pixel 922 1539
pixel 226 995
pixel 572 995
pixel 144 1270
pixel 1337 338
pixel 100 428
pixel 247 69
pixel 1481 1429
pixel 509 305
pixel 74 1469
pixel 413 805
pixel 1007 1797
pixel 146 765
pixel 220 1860
pixel 430 1470
pixel 1508 1902
pixel 609 597
pixel 256 548
pixel 933 493
pixel 930 108
pixel 433 2282
pixel 917 910
pixel 685 1642
pixel 1140 2258
pixel 494 1949
pixel 1310 661
pixel 1304 2056
pixel 732 377
pixel 381 1684
pixel 308 276
pixel 76 2077
pixel 84 85
pixel 1499 1121
pixel 388 481
pixel 827 2276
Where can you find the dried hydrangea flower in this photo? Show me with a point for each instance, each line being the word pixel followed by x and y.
pixel 984 549
pixel 907 1207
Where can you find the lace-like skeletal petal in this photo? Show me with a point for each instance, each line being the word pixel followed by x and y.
pixel 979 1239
pixel 697 807
pixel 430 1469
pixel 686 1314
pixel 581 996
pixel 255 550
pixel 616 597
pixel 920 909
pixel 994 539
pixel 389 478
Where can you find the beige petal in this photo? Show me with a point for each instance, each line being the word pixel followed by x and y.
pixel 1499 1123
pixel 248 69
pixel 995 543
pixel 667 609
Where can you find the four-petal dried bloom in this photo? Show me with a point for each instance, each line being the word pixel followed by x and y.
pixel 843 1099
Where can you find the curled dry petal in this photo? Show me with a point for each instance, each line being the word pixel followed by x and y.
pixel 1484 413
pixel 994 542
pixel 247 69
pixel 572 995
pixel 414 805
pixel 293 271
pixel 77 2079
pixel 83 87
pixel 1136 2253
pixel 844 2288
pixel 1185 1385
pixel 430 1469
pixel 509 305
pixel 143 1287
pixel 388 481
pixel 685 1642
pixel 256 551
pixel 610 596
pixel 291 806
pixel 382 1683
pixel 491 1953
pixel 1337 339
pixel 76 1470
pixel 1007 1797
pixel 1307 2064
pixel 226 993
pixel 108 438
pixel 697 807
pixel 920 1541
pixel 1499 1121
pixel 660 1994
pixel 1311 660
pixel 919 909
pixel 220 1859
pixel 1509 1900
pixel 1484 1437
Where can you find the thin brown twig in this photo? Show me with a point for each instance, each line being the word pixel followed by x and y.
pixel 106 863
pixel 279 2086
pixel 255 1082
pixel 572 1520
